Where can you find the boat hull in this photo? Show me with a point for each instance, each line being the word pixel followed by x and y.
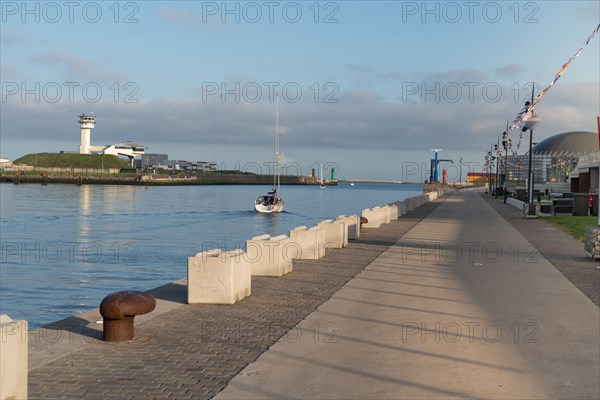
pixel 269 209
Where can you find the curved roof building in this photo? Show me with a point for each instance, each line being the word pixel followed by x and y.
pixel 568 143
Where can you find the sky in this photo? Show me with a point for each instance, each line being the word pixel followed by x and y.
pixel 368 87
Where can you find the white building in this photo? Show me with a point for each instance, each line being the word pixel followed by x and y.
pixel 124 149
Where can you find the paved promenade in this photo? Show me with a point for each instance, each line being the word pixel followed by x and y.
pixel 435 317
pixel 565 252
pixel 449 301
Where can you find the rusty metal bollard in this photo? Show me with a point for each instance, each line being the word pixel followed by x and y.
pixel 118 311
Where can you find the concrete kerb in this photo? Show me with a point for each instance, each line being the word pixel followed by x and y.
pixel 518 204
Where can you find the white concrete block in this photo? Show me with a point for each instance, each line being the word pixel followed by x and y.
pixel 308 242
pixel 402 209
pixel 352 225
pixel 373 217
pixel 386 214
pixel 410 204
pixel 336 234
pixel 394 212
pixel 217 277
pixel 432 196
pixel 268 256
pixel 13 358
pixel 381 214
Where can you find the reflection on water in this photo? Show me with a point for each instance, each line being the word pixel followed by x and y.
pixel 84 212
pixel 66 247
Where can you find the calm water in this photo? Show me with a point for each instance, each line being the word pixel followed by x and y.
pixel 63 247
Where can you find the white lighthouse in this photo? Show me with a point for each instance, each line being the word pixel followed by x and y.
pixel 86 122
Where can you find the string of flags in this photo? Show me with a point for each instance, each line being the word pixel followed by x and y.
pixel 527 111
pixel 516 150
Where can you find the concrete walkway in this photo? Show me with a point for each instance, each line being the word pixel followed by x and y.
pixel 565 252
pixel 462 306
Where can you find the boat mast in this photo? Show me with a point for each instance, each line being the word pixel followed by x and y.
pixel 276 179
pixel 321 173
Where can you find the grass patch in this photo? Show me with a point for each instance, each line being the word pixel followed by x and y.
pixel 68 160
pixel 574 226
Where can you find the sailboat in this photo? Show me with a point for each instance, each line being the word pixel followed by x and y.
pixel 351 175
pixel 322 186
pixel 272 202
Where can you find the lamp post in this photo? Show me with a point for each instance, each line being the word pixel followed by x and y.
pixel 506 144
pixel 490 167
pixel 488 171
pixel 529 124
pixel 497 165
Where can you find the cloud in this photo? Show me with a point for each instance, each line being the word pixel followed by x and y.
pixel 371 73
pixel 189 18
pixel 15 37
pixel 589 9
pixel 459 75
pixel 77 68
pixel 510 71
pixel 360 121
pixel 8 72
pixel 175 16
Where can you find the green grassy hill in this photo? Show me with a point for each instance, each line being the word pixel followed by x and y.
pixel 67 160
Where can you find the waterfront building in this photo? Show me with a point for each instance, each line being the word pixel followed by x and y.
pixel 184 165
pixel 150 160
pixel 127 149
pixel 555 162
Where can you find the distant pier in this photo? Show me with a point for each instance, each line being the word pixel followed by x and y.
pixel 202 178
pixel 377 181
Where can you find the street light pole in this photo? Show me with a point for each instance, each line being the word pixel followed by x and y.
pixel 506 145
pixel 489 171
pixel 496 151
pixel 529 124
pixel 529 173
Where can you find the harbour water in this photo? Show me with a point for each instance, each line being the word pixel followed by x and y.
pixel 63 247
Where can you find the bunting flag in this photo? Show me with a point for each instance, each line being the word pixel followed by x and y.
pixel 516 150
pixel 527 111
